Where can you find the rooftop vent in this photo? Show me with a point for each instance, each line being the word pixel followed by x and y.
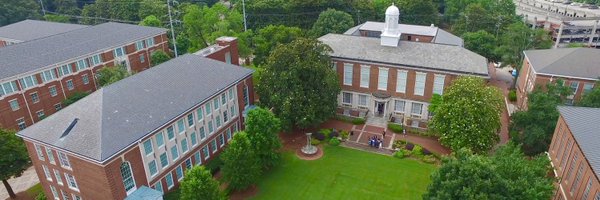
pixel 69 128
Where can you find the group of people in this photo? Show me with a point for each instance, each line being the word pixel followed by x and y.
pixel 375 142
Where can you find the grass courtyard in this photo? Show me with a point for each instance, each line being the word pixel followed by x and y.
pixel 344 173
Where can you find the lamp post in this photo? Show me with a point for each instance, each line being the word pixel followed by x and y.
pixel 244 11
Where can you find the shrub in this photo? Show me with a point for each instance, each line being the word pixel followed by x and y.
pixel 512 95
pixel 76 96
pixel 406 152
pixel 400 154
pixel 399 144
pixel 358 121
pixel 215 164
pixel 417 151
pixel 409 146
pixel 326 132
pixel 334 141
pixel 345 135
pixel 429 159
pixel 334 134
pixel 315 142
pixel 41 196
pixel 319 136
pixel 353 120
pixel 396 128
pixel 426 152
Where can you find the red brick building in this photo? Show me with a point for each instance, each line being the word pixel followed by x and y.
pixel 392 79
pixel 141 132
pixel 575 155
pixel 28 30
pixel 577 67
pixel 37 75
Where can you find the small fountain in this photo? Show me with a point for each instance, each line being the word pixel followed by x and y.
pixel 309 149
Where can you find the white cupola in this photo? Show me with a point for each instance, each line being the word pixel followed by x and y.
pixel 391 34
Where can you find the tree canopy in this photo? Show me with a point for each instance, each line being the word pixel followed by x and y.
pixel 469 116
pixel 14 160
pixel 481 42
pixel 151 20
pixel 13 11
pixel 199 184
pixel 332 21
pixel 159 57
pixel 262 127
pixel 268 38
pixel 241 167
pixel 299 84
pixel 591 98
pixel 110 75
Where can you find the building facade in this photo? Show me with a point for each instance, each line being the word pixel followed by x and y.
pixel 105 146
pixel 28 30
pixel 577 67
pixel 391 79
pixel 36 76
pixel 574 154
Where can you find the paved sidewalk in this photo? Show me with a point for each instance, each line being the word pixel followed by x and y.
pixel 22 183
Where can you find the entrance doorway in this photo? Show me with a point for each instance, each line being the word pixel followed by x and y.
pixel 379 108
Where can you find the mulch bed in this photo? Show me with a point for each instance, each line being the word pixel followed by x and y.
pixel 245 194
pixel 315 156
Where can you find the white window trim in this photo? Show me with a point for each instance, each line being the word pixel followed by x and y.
pixel 401 82
pixel 380 83
pixel 420 92
pixel 348 68
pixel 351 98
pixel 365 73
pixel 442 79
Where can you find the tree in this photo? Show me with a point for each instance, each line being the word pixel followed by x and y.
pixel 14 11
pixel 332 21
pixel 76 96
pixel 535 126
pixel 591 98
pixel 56 18
pixel 474 18
pixel 517 38
pixel 151 20
pixel 481 42
pixel 411 12
pixel 157 8
pixel 262 127
pixel 110 75
pixel 204 24
pixel 299 83
pixel 469 116
pixel 199 184
pixel 241 166
pixel 14 160
pixel 159 57
pixel 68 7
pixel 267 38
pixel 507 174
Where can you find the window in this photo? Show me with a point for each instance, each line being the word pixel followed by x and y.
pixel 28 81
pixel 65 196
pixel 47 173
pixel 158 187
pixel 347 98
pixel 8 88
pixel 334 66
pixel 194 139
pixel 562 161
pixel 34 97
pixel 399 106
pixel 81 64
pixel 190 119
pixel 218 120
pixel 152 167
pixel 225 118
pixel 383 79
pixel 230 94
pixel 170 133
pixel 208 109
pixel 213 145
pixel 57 106
pixel 164 160
pixel 149 42
pixel 184 145
pixel 85 79
pixel 210 127
pixel 40 114
pixel 71 181
pixel 119 52
pixel 48 75
pixel 221 140
pixel 597 197
pixel 401 81
pixel 127 176
pixel 246 96
pixel 587 87
pixel 58 177
pixel 228 134
pixel 216 103
pixel 39 151
pixel 347 74
pixel 70 85
pixel 53 91
pixel 586 192
pixel 148 147
pixel 54 192
pixel 420 84
pixel 139 45
pixel 200 114
pixel 417 108
pixel 197 158
pixel 179 172
pixel 174 152
pixel 224 99
pixel 577 179
pixel 142 58
pixel 572 166
pixel 64 70
pixel 362 100
pixel 438 84
pixel 169 179
pixel 574 86
pixel 228 57
pixel 14 104
pixel 64 160
pixel 188 163
pixel 160 139
pixel 75 197
pixel 180 126
pixel 50 155
pixel 205 152
pixel 202 133
pixel 232 110
pixel 365 72
pixel 21 123
pixel 96 59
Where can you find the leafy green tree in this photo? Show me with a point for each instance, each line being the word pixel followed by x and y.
pixel 110 75
pixel 481 42
pixel 56 18
pixel 192 22
pixel 262 127
pixel 507 174
pixel 157 8
pixel 592 98
pixel 411 12
pixel 535 126
pixel 68 7
pixel 332 21
pixel 435 102
pixel 205 24
pixel 517 38
pixel 14 160
pixel 267 38
pixel 299 83
pixel 76 96
pixel 241 166
pixel 469 116
pixel 159 57
pixel 151 20
pixel 199 184
pixel 13 11
pixel 474 18
pixel 244 43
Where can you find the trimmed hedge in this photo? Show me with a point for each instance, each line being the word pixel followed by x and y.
pixel 512 95
pixel 334 141
pixel 353 120
pixel 344 134
pixel 396 128
pixel 358 121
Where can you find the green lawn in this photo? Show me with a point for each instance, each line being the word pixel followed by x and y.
pixel 344 173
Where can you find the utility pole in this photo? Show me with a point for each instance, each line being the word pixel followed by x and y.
pixel 172 30
pixel 43 10
pixel 244 11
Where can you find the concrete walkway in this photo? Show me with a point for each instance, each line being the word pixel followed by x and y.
pixel 22 183
pixel 503 80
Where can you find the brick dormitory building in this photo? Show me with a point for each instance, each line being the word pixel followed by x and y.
pixel 575 154
pixel 135 138
pixel 391 74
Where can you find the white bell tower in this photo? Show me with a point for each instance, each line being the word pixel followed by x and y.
pixel 391 34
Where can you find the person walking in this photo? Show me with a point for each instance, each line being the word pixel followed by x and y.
pixel 384 134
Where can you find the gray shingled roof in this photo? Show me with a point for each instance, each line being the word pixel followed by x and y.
pixel 584 123
pixel 36 54
pixel 120 114
pixel 440 36
pixel 448 58
pixel 575 62
pixel 33 29
pixel 444 37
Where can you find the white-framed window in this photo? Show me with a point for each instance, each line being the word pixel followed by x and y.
pixel 149 42
pixel 158 187
pixel 148 147
pixel 169 179
pixel 420 83
pixel 65 196
pixel 184 145
pixel 190 119
pixel 574 86
pixel 153 168
pixel 197 158
pixel 218 120
pixel 21 123
pixel 200 114
pixel 14 105
pixel 213 145
pixel 179 172
pixel 417 108
pixel 205 152
pixel 64 160
pixel 57 106
pixel 438 84
pixel 170 133
pixel 81 65
pixel 64 70
pixel 246 96
pixel 58 177
pixel 365 72
pixel 362 100
pixel 40 114
pixel 194 139
pixel 224 99
pixel 231 94
pixel 347 98
pixel 48 75
pixel 96 60
pixel 208 108
pixel 347 74
pixel 586 192
pixel 180 126
pixel 50 155
pixel 228 134
pixel 160 139
pixel 119 52
pixel 54 193
pixel 70 85
pixel 399 106
pixel 587 87
pixel 211 130
pixel 85 79
pixel 52 90
pixel 383 78
pixel 71 181
pixel 139 45
pixel 8 88
pixel 127 176
pixel 35 97
pixel 47 173
pixel 164 160
pixel 232 111
pixel 174 152
pixel 142 58
pixel 39 151
pixel 188 163
pixel 228 57
pixel 401 81
pixel 222 140
pixel 225 116
pixel 202 132
pixel 75 197
pixel 28 81
pixel 216 103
